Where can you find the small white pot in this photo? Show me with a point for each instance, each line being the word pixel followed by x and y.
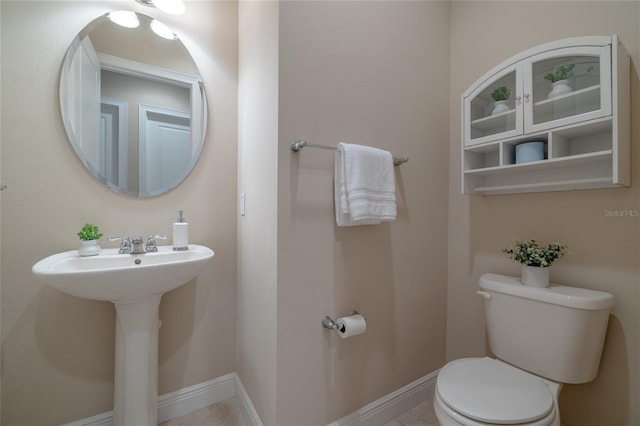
pixel 500 106
pixel 534 276
pixel 558 88
pixel 89 248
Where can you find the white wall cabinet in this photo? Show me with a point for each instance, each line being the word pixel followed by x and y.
pixel 584 124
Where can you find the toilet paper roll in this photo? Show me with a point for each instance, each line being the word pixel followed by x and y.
pixel 351 325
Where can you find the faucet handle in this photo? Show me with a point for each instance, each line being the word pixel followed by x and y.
pixel 151 242
pixel 125 244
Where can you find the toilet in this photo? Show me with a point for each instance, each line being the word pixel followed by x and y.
pixel 542 338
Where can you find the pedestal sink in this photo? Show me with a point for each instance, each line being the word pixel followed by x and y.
pixel 134 283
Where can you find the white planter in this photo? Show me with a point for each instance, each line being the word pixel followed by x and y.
pixel 89 248
pixel 534 276
pixel 500 106
pixel 558 88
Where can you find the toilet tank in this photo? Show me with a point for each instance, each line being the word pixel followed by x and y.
pixel 555 332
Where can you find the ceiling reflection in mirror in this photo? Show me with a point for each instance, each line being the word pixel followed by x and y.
pixel 133 105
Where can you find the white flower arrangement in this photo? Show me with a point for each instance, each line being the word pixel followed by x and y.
pixel 531 254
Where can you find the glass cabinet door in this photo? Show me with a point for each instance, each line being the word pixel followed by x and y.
pixel 491 111
pixel 566 86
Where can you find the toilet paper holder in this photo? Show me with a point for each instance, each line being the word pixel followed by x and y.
pixel 327 322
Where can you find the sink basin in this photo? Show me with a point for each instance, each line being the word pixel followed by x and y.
pixel 135 284
pixel 117 277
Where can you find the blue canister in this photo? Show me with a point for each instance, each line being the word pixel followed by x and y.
pixel 529 151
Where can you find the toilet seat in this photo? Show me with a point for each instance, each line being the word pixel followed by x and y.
pixel 490 391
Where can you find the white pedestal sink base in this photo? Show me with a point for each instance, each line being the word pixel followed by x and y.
pixel 136 363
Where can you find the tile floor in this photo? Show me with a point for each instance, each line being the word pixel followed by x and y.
pixel 227 413
pixel 420 415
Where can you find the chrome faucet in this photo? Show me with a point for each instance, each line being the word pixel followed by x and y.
pixel 137 245
pixel 151 243
pixel 125 244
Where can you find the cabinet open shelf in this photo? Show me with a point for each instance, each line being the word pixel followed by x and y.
pixel 568 161
pixel 571 184
pixel 582 171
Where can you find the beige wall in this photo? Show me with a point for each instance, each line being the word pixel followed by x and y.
pixel 58 350
pixel 604 250
pixel 373 73
pixel 257 179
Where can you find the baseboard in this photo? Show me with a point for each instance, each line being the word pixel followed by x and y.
pixel 104 419
pixel 192 398
pixel 247 410
pixel 392 405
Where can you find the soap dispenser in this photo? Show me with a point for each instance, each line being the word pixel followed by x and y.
pixel 180 234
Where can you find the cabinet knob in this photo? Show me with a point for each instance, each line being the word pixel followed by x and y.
pixel 526 97
pixel 518 99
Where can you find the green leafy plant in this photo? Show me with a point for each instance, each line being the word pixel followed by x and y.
pixel 89 232
pixel 532 254
pixel 502 93
pixel 562 73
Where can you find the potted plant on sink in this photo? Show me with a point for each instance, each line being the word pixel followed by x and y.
pixel 500 96
pixel 536 260
pixel 560 81
pixel 89 236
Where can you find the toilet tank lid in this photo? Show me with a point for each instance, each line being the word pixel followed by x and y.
pixel 572 297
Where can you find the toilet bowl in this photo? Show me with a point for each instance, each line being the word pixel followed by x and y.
pixel 486 391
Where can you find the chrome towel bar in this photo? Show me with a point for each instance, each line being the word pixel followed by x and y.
pixel 296 146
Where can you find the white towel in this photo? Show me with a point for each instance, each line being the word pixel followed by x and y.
pixel 364 185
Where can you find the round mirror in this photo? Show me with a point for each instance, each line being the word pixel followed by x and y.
pixel 133 104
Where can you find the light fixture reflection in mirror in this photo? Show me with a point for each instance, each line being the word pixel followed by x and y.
pixel 124 18
pixel 133 105
pixel 162 30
